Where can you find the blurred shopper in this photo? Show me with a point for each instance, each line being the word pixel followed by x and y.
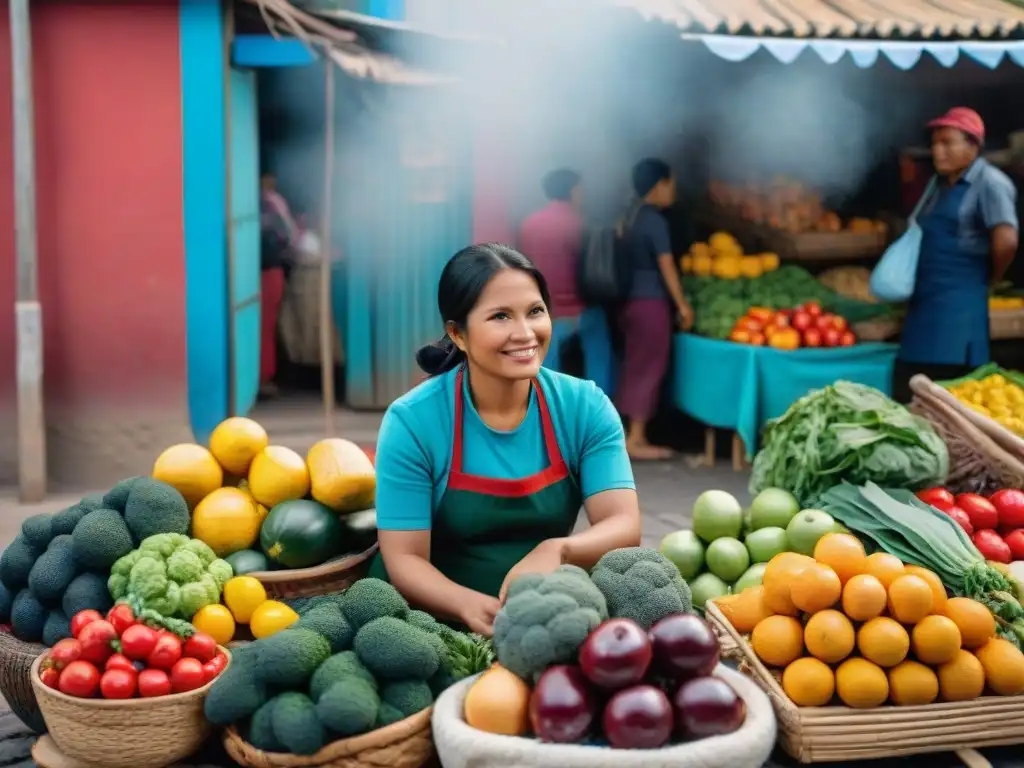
pixel 655 304
pixel 552 238
pixel 970 234
pixel 278 235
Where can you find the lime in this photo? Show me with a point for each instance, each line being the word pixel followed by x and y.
pixel 727 558
pixel 685 550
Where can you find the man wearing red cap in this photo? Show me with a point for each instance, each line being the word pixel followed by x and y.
pixel 969 237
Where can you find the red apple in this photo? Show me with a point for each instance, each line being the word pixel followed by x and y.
pixel 562 708
pixel 616 654
pixel 684 646
pixel 638 718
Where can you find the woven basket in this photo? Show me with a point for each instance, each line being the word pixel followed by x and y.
pixel 406 744
pixel 840 734
pixel 16 657
pixel 130 733
pixel 333 576
pixel 1006 324
pixel 1012 443
pixel 977 462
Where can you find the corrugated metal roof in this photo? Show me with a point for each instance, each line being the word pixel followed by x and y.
pixel 948 19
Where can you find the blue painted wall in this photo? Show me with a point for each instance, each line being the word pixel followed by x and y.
pixel 205 215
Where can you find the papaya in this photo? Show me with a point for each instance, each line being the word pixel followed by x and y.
pixel 341 475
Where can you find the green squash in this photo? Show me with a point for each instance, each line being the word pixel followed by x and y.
pixel 301 534
pixel 247 561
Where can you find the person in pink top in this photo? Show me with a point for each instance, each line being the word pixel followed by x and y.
pixel 552 238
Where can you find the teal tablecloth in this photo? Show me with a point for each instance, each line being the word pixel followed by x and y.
pixel 740 387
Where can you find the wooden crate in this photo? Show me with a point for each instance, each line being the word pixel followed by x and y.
pixel 839 733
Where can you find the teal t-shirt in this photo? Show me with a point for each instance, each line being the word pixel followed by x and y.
pixel 414 446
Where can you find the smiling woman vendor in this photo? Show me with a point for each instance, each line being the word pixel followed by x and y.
pixel 482 468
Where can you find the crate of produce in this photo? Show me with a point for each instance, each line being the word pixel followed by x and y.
pixel 978 461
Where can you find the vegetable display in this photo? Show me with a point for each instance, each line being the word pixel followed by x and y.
pixel 997 396
pixel 848 432
pixel 805 326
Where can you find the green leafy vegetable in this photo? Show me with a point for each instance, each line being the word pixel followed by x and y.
pixel 848 432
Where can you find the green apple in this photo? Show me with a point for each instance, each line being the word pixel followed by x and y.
pixel 716 515
pixel 727 558
pixel 751 578
pixel 685 550
pixel 807 527
pixel 706 587
pixel 773 508
pixel 765 543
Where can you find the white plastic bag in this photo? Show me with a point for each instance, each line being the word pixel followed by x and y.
pixel 894 276
pixel 460 746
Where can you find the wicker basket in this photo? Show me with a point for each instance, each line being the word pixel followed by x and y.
pixel 406 744
pixel 839 734
pixel 333 576
pixel 977 462
pixel 16 657
pixel 130 733
pixel 1004 438
pixel 1006 324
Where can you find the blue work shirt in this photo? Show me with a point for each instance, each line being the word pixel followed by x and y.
pixel 647 239
pixel 947 319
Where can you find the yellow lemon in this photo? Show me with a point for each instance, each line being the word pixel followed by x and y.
pixel 216 621
pixel 243 595
pixel 271 617
pixel 235 443
pixel 278 474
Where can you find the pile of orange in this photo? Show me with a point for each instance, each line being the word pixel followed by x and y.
pixel 871 630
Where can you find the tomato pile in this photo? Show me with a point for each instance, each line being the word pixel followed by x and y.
pixel 118 657
pixel 995 524
pixel 804 326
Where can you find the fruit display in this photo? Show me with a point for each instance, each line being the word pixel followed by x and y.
pixel 996 397
pixel 805 326
pixel 123 657
pixel 867 630
pixel 722 257
pixel 788 205
pixel 627 687
pixel 354 662
pixel 995 524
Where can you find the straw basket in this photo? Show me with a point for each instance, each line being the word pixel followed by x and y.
pixel 333 576
pixel 978 463
pixel 130 733
pixel 405 744
pixel 839 733
pixel 16 657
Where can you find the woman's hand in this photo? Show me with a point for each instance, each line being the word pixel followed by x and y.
pixel 478 612
pixel 544 558
pixel 684 316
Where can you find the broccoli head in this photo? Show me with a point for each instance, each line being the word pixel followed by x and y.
pixel 545 620
pixel 154 507
pixel 370 599
pixel 641 584
pixel 393 649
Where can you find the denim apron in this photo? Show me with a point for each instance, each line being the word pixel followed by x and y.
pixel 947 320
pixel 483 526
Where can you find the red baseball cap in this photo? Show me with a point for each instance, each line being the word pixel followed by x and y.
pixel 963 119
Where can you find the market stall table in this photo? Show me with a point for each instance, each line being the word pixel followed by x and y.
pixel 739 387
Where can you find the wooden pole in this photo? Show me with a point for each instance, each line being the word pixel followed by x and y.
pixel 326 248
pixel 28 311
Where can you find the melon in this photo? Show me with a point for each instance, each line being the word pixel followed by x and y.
pixel 341 475
pixel 227 521
pixel 301 534
pixel 278 474
pixel 191 470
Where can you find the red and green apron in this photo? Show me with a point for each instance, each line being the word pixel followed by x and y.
pixel 483 526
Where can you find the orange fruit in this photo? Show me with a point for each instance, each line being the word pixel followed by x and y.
pixel 843 553
pixel 829 636
pixel 778 577
pixel 910 599
pixel 816 588
pixel 962 678
pixel 976 623
pixel 809 682
pixel 885 567
pixel 883 641
pixel 191 469
pixel 863 597
pixel 778 640
pixel 1004 666
pixel 935 640
pixel 938 588
pixel 861 684
pixel 235 442
pixel 912 684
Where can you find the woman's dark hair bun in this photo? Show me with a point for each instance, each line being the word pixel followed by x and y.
pixel 439 357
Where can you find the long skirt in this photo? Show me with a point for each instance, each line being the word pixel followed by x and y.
pixel 271 293
pixel 647 337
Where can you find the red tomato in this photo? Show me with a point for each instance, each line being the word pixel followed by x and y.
pixel 138 642
pixel 983 514
pixel 812 308
pixel 935 496
pixel 187 675
pixel 118 684
pixel 214 667
pixel 64 652
pixel 757 339
pixel 200 646
pixel 120 661
pixel 802 321
pixel 96 638
pixel 823 323
pixel 961 518
pixel 839 323
pixel 831 337
pixel 121 617
pixel 49 677
pixel 1009 503
pixel 760 313
pixel 79 678
pixel 1015 541
pixel 80 619
pixel 749 324
pixel 847 339
pixel 781 320
pixel 165 653
pixel 992 547
pixel 812 337
pixel 153 682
